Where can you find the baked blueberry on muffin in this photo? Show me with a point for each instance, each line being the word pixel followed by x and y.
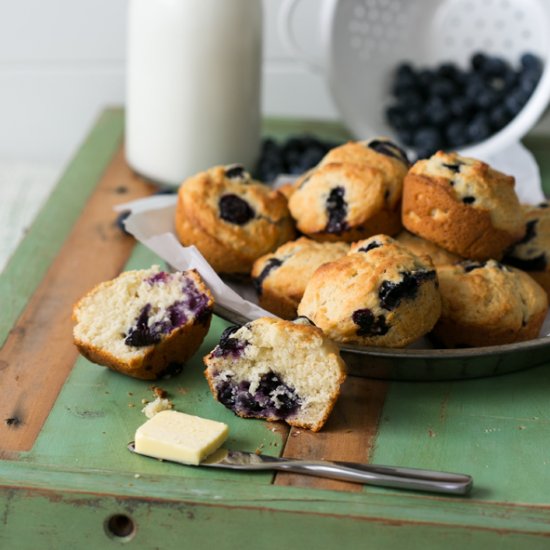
pixel 144 323
pixel 231 219
pixel 380 153
pixel 280 277
pixel 380 294
pixel 277 370
pixel 344 202
pixel 488 304
pixel 532 253
pixel 462 205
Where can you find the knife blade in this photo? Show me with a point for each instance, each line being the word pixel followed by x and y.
pixel 414 479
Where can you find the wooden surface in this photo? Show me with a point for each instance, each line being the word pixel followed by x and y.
pixel 65 470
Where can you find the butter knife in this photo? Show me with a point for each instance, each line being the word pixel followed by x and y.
pixel 414 479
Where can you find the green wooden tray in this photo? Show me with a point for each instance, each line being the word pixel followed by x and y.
pixel 67 480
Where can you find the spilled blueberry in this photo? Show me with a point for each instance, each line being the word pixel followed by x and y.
pixel 235 210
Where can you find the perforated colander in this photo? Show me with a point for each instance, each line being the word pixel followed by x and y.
pixel 364 41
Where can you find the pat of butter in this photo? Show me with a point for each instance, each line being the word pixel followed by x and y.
pixel 180 437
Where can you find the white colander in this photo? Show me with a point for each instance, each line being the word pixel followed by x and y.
pixel 364 41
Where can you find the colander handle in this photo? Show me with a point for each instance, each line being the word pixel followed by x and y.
pixel 288 38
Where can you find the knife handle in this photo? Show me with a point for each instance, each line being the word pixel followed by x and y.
pixel 383 476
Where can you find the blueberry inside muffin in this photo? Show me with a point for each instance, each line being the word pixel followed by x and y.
pixel 276 370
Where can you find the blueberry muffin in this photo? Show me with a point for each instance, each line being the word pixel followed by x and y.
pixel 532 253
pixel 344 202
pixel 145 323
pixel 422 247
pixel 462 205
pixel 280 277
pixel 379 153
pixel 231 219
pixel 488 304
pixel 277 370
pixel 380 294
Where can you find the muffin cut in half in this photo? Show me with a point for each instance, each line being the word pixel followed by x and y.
pixel 144 323
pixel 277 370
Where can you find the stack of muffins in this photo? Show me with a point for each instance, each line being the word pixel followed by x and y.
pixel 377 252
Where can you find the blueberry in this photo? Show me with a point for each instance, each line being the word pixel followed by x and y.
pixel 437 111
pixel 337 208
pixel 410 99
pixel 425 78
pixel 455 168
pixel 486 98
pixel 460 106
pixel 235 171
pixel 456 133
pixel 499 117
pixel 395 115
pixel 514 103
pixel 369 324
pixel 273 398
pixel 229 346
pixel 235 210
pixel 449 70
pixel 406 136
pixel 478 60
pixel 538 263
pixel 270 265
pixel 442 87
pixel 530 232
pixel 388 148
pixel 528 81
pixel 531 61
pixel 469 265
pixel 494 66
pixel 371 246
pixel 141 334
pixel 427 139
pixel 479 128
pixel 391 293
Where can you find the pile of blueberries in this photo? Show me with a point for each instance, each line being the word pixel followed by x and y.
pixel 447 107
pixel 295 155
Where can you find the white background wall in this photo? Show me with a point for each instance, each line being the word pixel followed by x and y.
pixel 62 62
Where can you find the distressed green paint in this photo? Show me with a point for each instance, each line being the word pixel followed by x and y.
pixel 28 265
pixel 495 429
pixel 268 515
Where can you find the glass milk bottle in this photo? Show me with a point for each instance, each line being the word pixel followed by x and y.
pixel 193 86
